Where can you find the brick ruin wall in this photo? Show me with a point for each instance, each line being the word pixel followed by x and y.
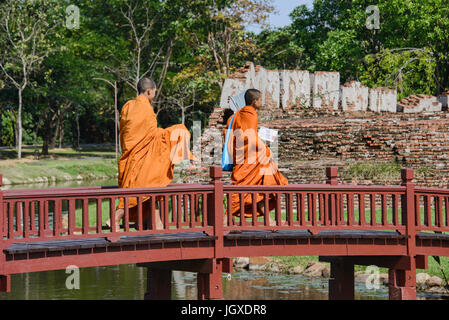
pixel 341 130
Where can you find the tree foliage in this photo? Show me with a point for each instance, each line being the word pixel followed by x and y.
pixel 189 47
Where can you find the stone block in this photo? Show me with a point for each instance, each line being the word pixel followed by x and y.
pixel 419 103
pixel 231 87
pixel 444 99
pixel 354 97
pixel 326 89
pixel 296 88
pixel 382 99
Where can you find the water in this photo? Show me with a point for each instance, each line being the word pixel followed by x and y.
pixel 128 282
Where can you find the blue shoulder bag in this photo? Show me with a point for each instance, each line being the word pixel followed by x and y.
pixel 226 161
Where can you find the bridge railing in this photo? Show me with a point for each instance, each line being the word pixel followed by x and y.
pixel 72 213
pixel 431 209
pixel 316 207
pixel 75 213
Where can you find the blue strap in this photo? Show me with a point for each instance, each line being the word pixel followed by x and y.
pixel 226 161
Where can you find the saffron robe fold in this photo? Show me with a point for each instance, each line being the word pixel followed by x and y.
pixel 253 161
pixel 148 152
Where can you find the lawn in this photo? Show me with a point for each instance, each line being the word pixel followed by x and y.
pixel 88 163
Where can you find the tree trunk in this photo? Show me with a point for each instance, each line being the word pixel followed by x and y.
pixel 61 135
pixel 183 115
pixel 56 133
pixel 19 127
pixel 77 129
pixel 46 135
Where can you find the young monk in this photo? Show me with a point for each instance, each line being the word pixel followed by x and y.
pixel 253 160
pixel 148 152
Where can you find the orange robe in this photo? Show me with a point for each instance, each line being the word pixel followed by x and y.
pixel 253 162
pixel 148 152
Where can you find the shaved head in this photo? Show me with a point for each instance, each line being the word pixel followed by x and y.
pixel 251 95
pixel 144 84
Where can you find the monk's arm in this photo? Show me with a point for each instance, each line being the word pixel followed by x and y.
pixel 249 120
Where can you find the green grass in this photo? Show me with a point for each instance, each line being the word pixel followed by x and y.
pixel 288 262
pixel 90 162
pixel 33 153
pixel 390 170
pixel 59 170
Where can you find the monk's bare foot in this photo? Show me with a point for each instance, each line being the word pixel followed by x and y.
pixel 271 222
pixel 159 224
pixel 118 217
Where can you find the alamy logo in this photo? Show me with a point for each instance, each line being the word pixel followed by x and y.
pixel 73 17
pixel 373 20
pixel 372 282
pixel 73 280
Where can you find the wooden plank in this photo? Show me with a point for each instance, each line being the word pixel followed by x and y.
pixel 125 218
pixel 427 211
pixel 99 216
pixel 373 209
pixel 326 219
pixel 266 210
pixel 395 199
pixel 85 219
pixel 229 207
pixel 350 208
pixel 290 208
pixel 439 213
pixel 204 209
pixel 384 209
pixel 254 208
pixel 57 217
pixel 41 218
pixel 72 216
pixel 278 209
pixel 417 211
pixel 362 220
pixel 26 222
pixel 242 209
pixel 139 214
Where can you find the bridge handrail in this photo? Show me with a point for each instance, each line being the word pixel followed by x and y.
pixel 205 207
pixel 99 191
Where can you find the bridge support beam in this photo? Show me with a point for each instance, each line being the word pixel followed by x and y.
pixel 5 283
pixel 341 283
pixel 210 285
pixel 402 283
pixel 158 284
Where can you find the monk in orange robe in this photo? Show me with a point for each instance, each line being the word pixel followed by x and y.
pixel 148 152
pixel 253 160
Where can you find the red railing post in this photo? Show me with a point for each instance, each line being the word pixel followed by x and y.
pixel 331 174
pixel 215 209
pixel 5 280
pixel 408 207
pixel 402 283
pixel 2 222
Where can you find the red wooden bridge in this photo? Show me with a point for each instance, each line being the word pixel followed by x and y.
pixel 395 227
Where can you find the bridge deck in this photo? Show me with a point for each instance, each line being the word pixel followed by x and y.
pixel 60 245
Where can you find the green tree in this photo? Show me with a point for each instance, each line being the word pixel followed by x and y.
pixel 27 26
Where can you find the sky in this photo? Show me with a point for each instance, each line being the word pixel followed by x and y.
pixel 283 8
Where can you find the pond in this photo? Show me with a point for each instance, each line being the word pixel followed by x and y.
pixel 128 282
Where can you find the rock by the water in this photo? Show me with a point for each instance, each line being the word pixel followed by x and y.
pixel 296 270
pixel 241 262
pixel 434 281
pixel 315 269
pixel 421 278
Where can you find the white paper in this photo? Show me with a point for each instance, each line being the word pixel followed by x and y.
pixel 237 101
pixel 268 134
